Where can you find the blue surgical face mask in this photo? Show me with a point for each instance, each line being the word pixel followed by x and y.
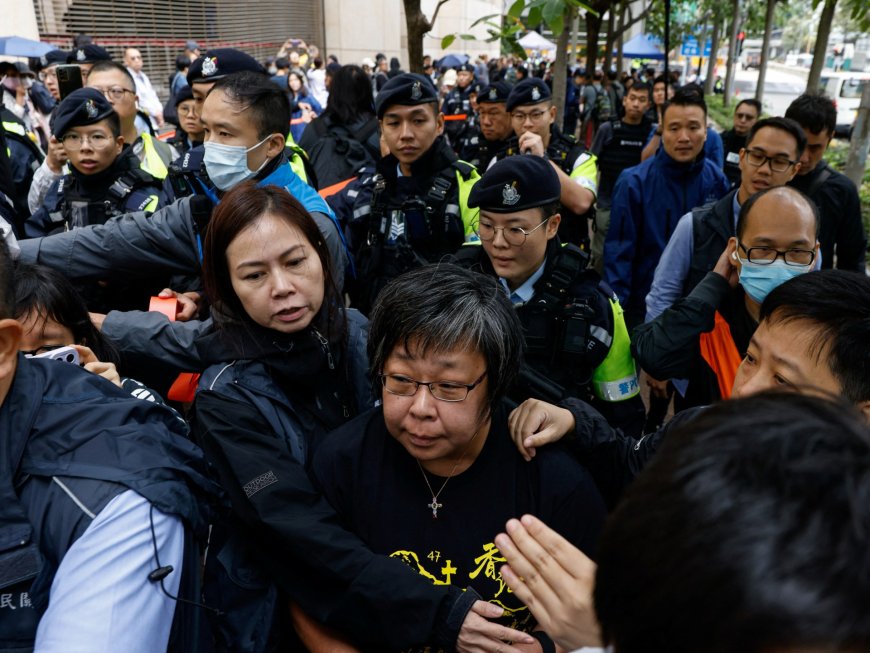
pixel 227 165
pixel 758 280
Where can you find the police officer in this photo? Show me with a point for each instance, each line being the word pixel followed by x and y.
pixel 618 144
pixel 105 177
pixel 457 104
pixel 494 127
pixel 25 158
pixel 577 344
pixel 533 118
pixel 413 209
pixel 189 133
pixel 86 56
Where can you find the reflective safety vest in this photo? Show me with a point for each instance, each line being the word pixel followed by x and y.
pixel 153 162
pixel 616 378
pixel 720 353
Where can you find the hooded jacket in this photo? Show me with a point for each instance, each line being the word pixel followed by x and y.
pixel 648 201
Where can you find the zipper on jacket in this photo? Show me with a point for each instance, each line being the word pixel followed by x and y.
pixel 324 344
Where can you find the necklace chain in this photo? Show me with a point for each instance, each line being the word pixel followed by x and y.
pixel 434 506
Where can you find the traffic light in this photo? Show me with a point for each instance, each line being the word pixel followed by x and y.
pixel 740 38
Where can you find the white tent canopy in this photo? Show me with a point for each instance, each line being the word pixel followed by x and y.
pixel 534 41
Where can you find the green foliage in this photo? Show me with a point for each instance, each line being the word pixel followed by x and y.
pixel 508 28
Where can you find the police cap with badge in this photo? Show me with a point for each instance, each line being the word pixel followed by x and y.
pixel 218 63
pixel 465 68
pixel 516 183
pixel 88 54
pixel 495 93
pixel 52 58
pixel 569 319
pixel 528 91
pixel 407 89
pixel 84 106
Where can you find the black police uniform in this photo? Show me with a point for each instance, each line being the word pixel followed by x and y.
pixel 563 150
pixel 476 149
pixel 576 341
pixel 732 144
pixel 25 157
pixel 398 223
pixel 181 140
pixel 458 103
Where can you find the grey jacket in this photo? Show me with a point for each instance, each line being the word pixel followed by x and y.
pixel 138 246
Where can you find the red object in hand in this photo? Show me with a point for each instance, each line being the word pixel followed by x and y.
pixel 169 306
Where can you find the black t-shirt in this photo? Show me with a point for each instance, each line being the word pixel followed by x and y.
pixel 379 493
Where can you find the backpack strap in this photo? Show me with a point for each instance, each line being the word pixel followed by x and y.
pixel 824 175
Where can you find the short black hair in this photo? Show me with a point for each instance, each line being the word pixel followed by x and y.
pixel 690 95
pixel 751 101
pixel 814 112
pixel 639 87
pixel 443 307
pixel 45 292
pixel 837 303
pixel 182 62
pixel 255 94
pixel 748 531
pixel 106 66
pixel 7 296
pixel 784 124
pixel 660 79
pixel 746 207
pixel 114 122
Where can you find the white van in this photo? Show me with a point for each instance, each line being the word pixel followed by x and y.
pixel 845 89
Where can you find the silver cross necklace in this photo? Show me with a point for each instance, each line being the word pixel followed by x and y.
pixel 434 506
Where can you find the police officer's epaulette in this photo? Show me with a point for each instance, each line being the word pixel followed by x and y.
pixel 464 168
pixel 570 262
pixel 184 170
pixel 128 182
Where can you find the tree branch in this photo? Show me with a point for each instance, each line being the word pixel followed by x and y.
pixel 635 19
pixel 437 9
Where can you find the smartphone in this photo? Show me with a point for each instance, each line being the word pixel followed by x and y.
pixel 69 79
pixel 65 354
pixel 295 41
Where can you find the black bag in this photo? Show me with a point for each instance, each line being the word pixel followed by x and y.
pixel 338 154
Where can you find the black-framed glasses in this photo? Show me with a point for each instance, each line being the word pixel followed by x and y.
pixel 767 255
pixel 404 386
pixel 114 93
pixel 515 236
pixel 74 142
pixel 534 116
pixel 41 350
pixel 757 158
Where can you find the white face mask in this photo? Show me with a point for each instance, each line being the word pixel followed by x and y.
pixel 227 165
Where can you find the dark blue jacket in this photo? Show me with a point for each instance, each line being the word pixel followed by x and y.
pixel 61 421
pixel 648 201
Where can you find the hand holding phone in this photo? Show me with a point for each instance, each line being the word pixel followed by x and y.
pixel 69 79
pixel 65 354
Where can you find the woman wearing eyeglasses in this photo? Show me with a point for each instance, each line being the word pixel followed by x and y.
pixel 105 178
pixel 427 477
pixel 290 365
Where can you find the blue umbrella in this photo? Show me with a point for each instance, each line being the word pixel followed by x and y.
pixel 18 46
pixel 452 60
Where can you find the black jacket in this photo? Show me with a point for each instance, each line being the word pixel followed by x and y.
pixel 668 347
pixel 841 226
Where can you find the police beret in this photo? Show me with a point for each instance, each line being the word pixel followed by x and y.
pixel 516 183
pixel 466 67
pixel 183 94
pixel 220 62
pixel 88 54
pixel 528 91
pixel 53 57
pixel 407 89
pixel 494 93
pixel 84 106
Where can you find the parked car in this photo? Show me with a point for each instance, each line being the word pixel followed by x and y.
pixel 845 89
pixel 750 59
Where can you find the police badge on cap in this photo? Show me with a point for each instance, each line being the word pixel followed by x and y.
pixel 510 196
pixel 209 66
pixel 536 94
pixel 516 183
pixel 80 55
pixel 493 94
pixel 91 109
pixel 416 91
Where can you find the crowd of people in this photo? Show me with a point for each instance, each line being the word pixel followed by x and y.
pixel 213 341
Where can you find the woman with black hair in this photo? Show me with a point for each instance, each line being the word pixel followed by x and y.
pixel 349 117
